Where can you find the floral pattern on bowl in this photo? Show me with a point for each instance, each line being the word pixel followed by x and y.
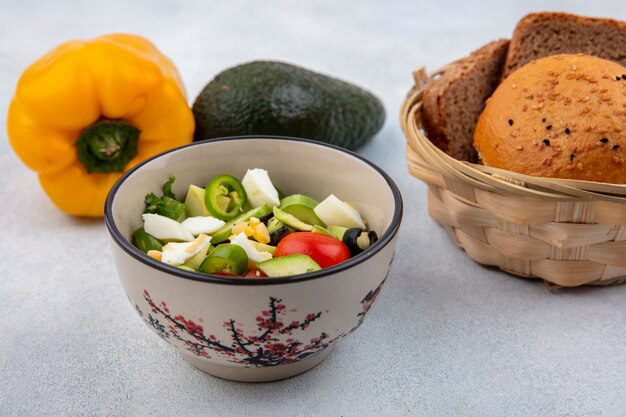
pixel 274 344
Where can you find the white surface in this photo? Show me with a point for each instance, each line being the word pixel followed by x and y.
pixel 448 337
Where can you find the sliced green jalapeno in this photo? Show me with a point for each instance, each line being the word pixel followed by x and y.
pixel 225 197
pixel 145 242
pixel 226 259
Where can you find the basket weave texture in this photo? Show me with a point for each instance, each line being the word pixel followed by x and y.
pixel 566 232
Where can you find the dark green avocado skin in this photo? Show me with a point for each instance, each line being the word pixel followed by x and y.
pixel 275 98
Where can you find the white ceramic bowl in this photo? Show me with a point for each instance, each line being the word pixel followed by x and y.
pixel 256 329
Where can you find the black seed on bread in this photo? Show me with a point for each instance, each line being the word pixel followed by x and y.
pixel 453 102
pixel 538 35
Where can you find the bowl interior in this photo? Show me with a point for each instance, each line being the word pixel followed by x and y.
pixel 294 166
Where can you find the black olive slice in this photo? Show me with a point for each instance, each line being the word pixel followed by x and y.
pixel 278 234
pixel 357 240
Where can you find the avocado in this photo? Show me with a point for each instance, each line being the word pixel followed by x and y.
pixel 291 221
pixel 288 265
pixel 301 206
pixel 225 231
pixel 195 202
pixel 276 98
pixel 324 231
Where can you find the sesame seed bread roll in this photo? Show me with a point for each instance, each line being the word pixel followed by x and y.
pixel 562 116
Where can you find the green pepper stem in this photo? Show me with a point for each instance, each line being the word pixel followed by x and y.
pixel 107 145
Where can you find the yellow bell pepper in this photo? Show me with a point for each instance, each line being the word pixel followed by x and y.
pixel 90 110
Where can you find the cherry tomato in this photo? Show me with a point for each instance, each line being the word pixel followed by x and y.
pixel 224 274
pixel 252 273
pixel 323 249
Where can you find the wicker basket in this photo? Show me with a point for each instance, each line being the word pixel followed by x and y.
pixel 566 232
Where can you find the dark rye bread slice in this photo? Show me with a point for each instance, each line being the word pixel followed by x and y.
pixel 539 35
pixel 453 102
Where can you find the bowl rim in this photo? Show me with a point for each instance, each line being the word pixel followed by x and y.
pixel 127 246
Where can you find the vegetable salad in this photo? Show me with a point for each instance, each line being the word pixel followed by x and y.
pixel 248 229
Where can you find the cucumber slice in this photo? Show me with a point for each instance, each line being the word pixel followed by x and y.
pixel 274 224
pixel 301 206
pixel 288 265
pixel 262 247
pixel 195 261
pixel 186 268
pixel 338 231
pixel 291 221
pixel 225 232
pixel 324 231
